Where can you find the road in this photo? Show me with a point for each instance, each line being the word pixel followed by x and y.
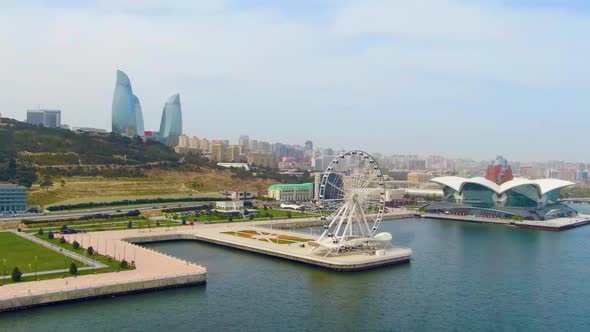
pixel 106 210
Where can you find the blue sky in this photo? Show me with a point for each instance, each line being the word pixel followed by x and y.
pixel 457 78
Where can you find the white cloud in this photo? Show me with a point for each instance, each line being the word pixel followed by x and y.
pixel 387 62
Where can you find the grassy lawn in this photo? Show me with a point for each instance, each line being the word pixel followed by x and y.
pixel 21 252
pixel 112 265
pixel 103 225
pixel 262 215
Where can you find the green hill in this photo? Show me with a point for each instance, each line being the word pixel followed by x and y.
pixel 24 149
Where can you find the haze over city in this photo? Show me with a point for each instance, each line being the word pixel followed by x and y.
pixel 463 79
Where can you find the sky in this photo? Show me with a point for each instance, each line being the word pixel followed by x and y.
pixel 461 78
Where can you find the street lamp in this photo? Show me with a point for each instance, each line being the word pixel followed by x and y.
pixel 35 267
pixel 4 270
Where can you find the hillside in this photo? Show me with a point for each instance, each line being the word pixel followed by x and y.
pixel 63 167
pixel 28 153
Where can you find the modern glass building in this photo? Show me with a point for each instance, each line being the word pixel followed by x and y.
pixel 529 199
pixel 171 124
pixel 13 199
pixel 127 118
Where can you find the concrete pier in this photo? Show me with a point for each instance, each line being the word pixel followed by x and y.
pixel 155 270
pixel 272 245
pixel 558 224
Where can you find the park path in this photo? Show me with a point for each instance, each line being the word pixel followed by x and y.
pixel 87 261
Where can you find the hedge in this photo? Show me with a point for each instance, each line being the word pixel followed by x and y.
pixel 129 202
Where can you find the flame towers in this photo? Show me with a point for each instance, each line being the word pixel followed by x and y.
pixel 127 116
pixel 171 124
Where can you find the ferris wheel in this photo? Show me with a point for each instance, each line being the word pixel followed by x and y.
pixel 352 198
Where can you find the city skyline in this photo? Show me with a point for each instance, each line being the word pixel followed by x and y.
pixel 492 74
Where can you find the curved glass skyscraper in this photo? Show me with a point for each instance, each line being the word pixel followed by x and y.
pixel 171 124
pixel 127 117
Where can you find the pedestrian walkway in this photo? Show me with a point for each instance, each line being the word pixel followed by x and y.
pixel 83 259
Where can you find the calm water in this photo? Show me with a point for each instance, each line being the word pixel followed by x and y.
pixel 463 277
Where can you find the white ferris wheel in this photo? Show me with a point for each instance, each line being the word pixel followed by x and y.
pixel 352 198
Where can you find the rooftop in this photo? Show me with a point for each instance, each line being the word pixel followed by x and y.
pixel 10 186
pixel 292 186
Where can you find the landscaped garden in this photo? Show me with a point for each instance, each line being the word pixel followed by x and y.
pixel 29 256
pixel 211 216
pixel 20 252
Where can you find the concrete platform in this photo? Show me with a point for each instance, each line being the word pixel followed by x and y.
pixel 155 270
pixel 221 235
pixel 558 224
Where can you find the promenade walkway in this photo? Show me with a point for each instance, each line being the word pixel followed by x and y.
pixel 153 269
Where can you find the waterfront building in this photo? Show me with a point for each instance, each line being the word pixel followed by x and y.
pixel 13 199
pixel 511 197
pixel 171 124
pixel 44 117
pixel 291 192
pixel 127 119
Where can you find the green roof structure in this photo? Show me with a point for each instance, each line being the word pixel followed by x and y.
pixel 291 186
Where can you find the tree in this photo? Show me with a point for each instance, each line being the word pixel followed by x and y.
pixel 289 215
pixel 50 235
pixel 230 218
pixel 63 183
pixel 251 217
pixel 40 231
pixel 123 264
pixel 90 251
pixel 183 221
pixel 46 182
pixel 16 274
pixel 129 224
pixel 64 228
pixel 73 269
pixel 62 240
pixel 76 245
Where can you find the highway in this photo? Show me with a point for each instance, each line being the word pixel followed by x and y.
pixel 106 210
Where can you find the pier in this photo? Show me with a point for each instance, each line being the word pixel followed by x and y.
pixel 155 270
pixel 557 224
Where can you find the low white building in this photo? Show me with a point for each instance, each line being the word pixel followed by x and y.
pixel 229 206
